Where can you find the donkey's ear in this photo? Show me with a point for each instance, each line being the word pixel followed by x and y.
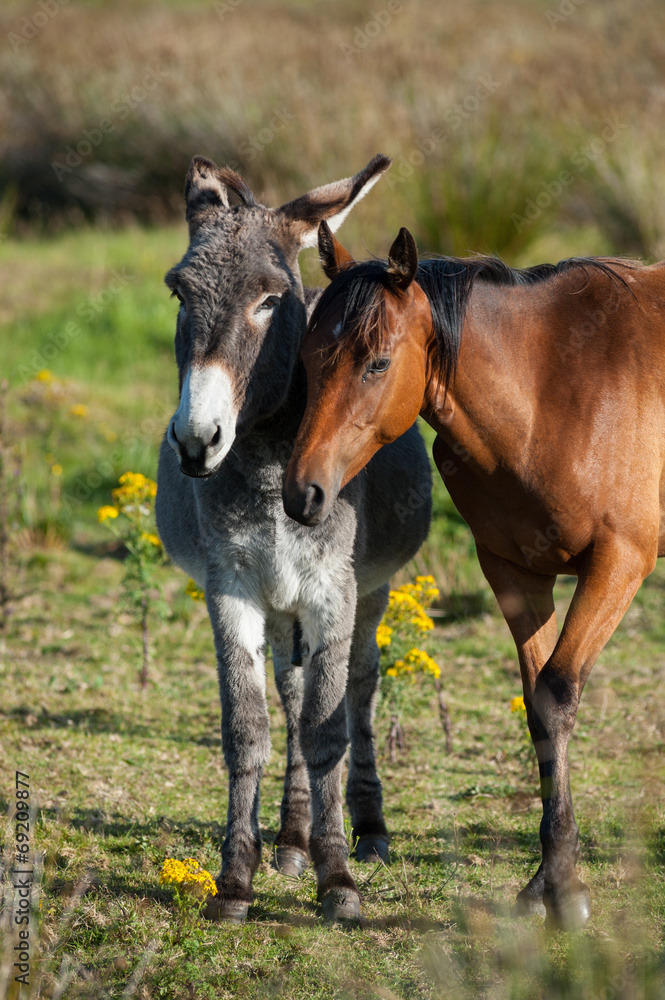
pixel 207 190
pixel 403 260
pixel 332 202
pixel 333 256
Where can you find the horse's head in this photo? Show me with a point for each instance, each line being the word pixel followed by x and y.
pixel 366 355
pixel 242 310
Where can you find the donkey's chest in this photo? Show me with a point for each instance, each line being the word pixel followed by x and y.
pixel 284 570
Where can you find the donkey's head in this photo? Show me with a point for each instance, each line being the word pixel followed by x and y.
pixel 242 311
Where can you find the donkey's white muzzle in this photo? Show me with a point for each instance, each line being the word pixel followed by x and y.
pixel 203 427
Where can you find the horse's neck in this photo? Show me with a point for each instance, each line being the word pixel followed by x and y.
pixel 486 414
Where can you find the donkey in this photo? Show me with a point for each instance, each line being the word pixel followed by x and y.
pixel 315 594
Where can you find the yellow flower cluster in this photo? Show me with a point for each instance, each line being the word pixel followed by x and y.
pixel 403 608
pixel 106 512
pixel 415 660
pixel 135 488
pixel 517 705
pixel 188 874
pixel 79 410
pixel 383 636
pixel 194 591
pixel 155 540
pixel 424 590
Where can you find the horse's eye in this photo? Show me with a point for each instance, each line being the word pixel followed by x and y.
pixel 380 365
pixel 269 303
pixel 376 367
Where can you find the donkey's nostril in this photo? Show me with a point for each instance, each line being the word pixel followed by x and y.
pixel 175 436
pixel 216 438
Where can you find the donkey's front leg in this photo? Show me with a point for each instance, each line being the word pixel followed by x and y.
pixel 323 736
pixel 238 627
pixel 292 842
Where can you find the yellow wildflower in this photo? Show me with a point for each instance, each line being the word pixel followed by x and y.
pixel 44 376
pixel 194 591
pixel 517 705
pixel 79 410
pixel 155 540
pixel 56 470
pixel 188 874
pixel 104 513
pixel 383 634
pixel 135 488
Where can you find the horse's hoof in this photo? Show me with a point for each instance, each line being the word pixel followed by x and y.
pixel 529 905
pixel 372 848
pixel 341 904
pixel 290 861
pixel 569 909
pixel 230 911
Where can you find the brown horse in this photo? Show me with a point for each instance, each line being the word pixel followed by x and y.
pixel 546 388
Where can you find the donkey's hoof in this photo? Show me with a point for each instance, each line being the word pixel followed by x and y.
pixel 341 904
pixel 290 861
pixel 230 911
pixel 568 909
pixel 372 848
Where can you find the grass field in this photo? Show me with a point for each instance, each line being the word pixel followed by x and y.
pixel 120 779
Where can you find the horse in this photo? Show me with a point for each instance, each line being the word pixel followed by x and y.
pixel 316 595
pixel 546 387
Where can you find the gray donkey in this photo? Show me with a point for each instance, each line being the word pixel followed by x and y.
pixel 315 594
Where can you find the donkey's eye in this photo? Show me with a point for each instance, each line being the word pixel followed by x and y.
pixel 376 367
pixel 268 304
pixel 175 294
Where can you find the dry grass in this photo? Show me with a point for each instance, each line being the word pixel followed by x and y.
pixel 536 94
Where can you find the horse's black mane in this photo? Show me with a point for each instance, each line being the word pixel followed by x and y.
pixel 447 283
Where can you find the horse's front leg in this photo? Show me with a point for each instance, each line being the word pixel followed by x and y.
pixel 363 789
pixel 238 626
pixel 324 739
pixel 527 602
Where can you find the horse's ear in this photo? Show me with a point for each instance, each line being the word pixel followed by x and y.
pixel 332 202
pixel 333 256
pixel 403 260
pixel 207 190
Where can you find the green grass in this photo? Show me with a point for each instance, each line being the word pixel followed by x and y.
pixel 120 779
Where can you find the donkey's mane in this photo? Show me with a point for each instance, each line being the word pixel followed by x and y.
pixel 447 282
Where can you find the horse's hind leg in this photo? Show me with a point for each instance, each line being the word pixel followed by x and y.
pixel 363 790
pixel 606 586
pixel 291 845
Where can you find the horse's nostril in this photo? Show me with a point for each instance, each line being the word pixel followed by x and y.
pixel 216 438
pixel 314 499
